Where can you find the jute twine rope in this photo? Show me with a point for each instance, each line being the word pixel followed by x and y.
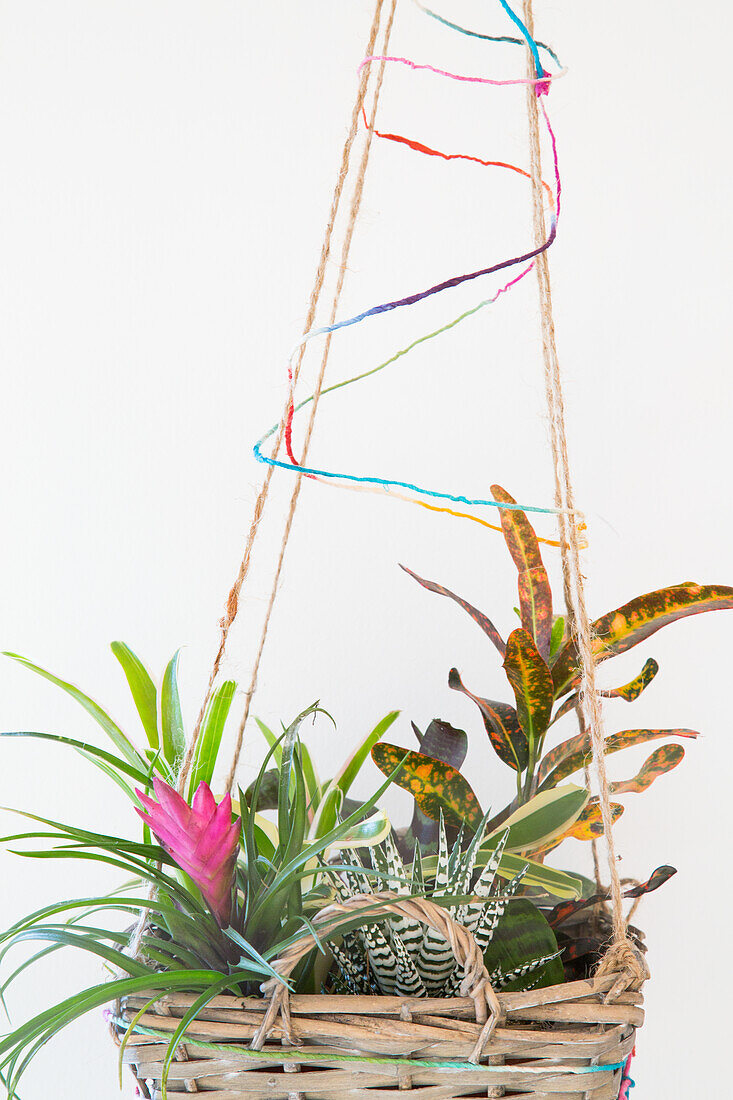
pixel 232 603
pixel 474 984
pixel 345 250
pixel 622 956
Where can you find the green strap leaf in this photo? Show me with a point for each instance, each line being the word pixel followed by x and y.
pixel 625 627
pixel 112 730
pixel 544 818
pixel 433 784
pixel 171 718
pixel 531 681
pixel 142 688
pixel 207 749
pixel 354 763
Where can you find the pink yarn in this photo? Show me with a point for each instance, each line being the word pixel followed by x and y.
pixel 542 83
pixel 627 1084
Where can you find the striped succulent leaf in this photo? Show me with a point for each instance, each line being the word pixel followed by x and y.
pixel 500 978
pixel 352 966
pixel 435 960
pixel 409 983
pixel 494 910
pixel 469 915
pixel 387 859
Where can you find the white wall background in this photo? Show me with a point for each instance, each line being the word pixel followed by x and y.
pixel 167 169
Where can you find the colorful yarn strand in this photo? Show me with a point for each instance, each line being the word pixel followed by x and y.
pixel 393 486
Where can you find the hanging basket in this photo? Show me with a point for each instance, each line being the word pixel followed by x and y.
pixel 566 1040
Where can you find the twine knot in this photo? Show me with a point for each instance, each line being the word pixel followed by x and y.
pixel 542 87
pixel 624 960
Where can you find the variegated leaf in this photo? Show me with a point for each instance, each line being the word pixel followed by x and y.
pixel 625 627
pixel 629 692
pixel 434 785
pixel 535 595
pixel 590 825
pixel 501 722
pixel 531 682
pixel 660 761
pixel 535 604
pixel 576 752
pixel 478 616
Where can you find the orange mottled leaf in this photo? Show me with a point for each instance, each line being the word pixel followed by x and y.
pixel 640 618
pixel 478 616
pixel 531 681
pixel 535 595
pixel 660 761
pixel 434 785
pixel 590 825
pixel 575 753
pixel 507 737
pixel 629 692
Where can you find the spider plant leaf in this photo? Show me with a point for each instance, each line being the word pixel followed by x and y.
pixel 113 731
pixel 524 935
pixel 625 627
pixel 660 761
pixel 535 595
pixel 313 786
pixel 212 730
pixel 501 721
pixel 531 682
pixel 354 763
pixel 273 742
pixel 575 753
pixel 171 718
pixel 107 760
pixel 543 818
pixel 142 688
pixel 478 616
pixel 434 785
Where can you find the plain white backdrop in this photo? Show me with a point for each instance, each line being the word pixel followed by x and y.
pixel 167 171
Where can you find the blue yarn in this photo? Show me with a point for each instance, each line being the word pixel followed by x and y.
pixel 501 38
pixel 386 483
pixel 528 37
pixel 412 299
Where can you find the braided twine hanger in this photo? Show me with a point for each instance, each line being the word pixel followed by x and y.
pixel 622 957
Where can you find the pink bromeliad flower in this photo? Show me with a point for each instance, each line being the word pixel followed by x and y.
pixel 201 838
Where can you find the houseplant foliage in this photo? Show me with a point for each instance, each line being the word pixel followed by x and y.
pixel 211 896
pixel 216 888
pixel 541 663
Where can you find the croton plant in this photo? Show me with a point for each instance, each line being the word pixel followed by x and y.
pixel 215 886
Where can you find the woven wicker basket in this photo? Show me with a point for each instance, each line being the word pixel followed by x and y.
pixel 563 1041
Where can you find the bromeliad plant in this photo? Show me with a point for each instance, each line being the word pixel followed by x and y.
pixel 212 896
pixel 540 660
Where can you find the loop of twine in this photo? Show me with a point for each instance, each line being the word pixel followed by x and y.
pixel 622 955
pixel 474 984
